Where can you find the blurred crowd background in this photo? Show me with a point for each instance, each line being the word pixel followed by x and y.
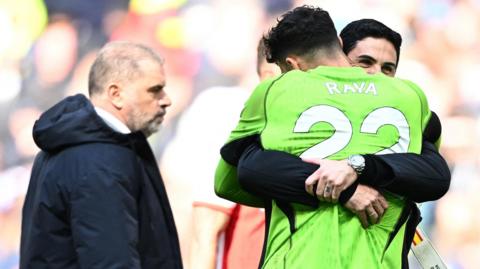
pixel 47 46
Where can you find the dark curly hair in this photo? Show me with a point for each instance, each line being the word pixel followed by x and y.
pixel 360 29
pixel 301 31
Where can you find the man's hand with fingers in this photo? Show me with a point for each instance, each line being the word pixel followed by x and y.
pixel 330 179
pixel 368 204
pixel 333 177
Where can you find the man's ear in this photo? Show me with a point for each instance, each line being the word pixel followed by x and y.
pixel 115 95
pixel 340 41
pixel 297 63
pixel 293 62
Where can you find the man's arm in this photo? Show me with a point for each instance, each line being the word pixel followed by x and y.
pixel 276 174
pixel 420 178
pixel 433 130
pixel 279 175
pixel 252 122
pixel 104 222
pixel 208 225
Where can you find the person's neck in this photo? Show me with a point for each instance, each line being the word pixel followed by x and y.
pixel 108 107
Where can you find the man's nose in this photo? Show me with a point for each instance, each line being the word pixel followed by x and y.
pixel 165 101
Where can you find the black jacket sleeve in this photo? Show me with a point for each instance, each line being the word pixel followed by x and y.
pixel 104 217
pixel 420 178
pixel 279 175
pixel 433 130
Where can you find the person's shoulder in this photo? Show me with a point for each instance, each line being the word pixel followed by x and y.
pixel 410 88
pixel 94 159
pixel 267 83
pixel 97 148
pixel 263 87
pixel 410 85
pixel 291 75
pixel 86 165
pixel 400 83
pixel 92 155
pixel 287 80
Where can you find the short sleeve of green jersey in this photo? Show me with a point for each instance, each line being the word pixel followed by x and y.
pixel 426 113
pixel 252 118
pixel 252 122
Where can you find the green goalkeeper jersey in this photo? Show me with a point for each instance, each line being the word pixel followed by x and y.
pixel 330 112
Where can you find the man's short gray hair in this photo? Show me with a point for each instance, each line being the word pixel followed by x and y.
pixel 118 61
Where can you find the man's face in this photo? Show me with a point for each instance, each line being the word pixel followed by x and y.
pixel 375 55
pixel 145 98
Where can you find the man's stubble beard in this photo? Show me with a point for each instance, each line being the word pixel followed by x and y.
pixel 137 122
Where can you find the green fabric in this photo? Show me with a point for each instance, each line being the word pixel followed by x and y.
pixel 227 186
pixel 226 183
pixel 332 112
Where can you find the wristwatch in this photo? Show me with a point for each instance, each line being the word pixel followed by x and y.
pixel 357 162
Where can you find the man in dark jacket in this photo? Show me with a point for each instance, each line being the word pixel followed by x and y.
pixel 96 198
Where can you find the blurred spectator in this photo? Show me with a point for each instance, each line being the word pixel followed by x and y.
pixel 94 19
pixel 2 154
pixel 10 220
pixel 48 66
pixel 14 182
pixel 203 127
pixel 21 22
pixel 21 148
pixel 225 234
pixel 79 81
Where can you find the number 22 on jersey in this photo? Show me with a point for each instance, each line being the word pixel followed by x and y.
pixel 344 131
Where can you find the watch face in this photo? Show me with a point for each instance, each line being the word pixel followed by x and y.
pixel 357 160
